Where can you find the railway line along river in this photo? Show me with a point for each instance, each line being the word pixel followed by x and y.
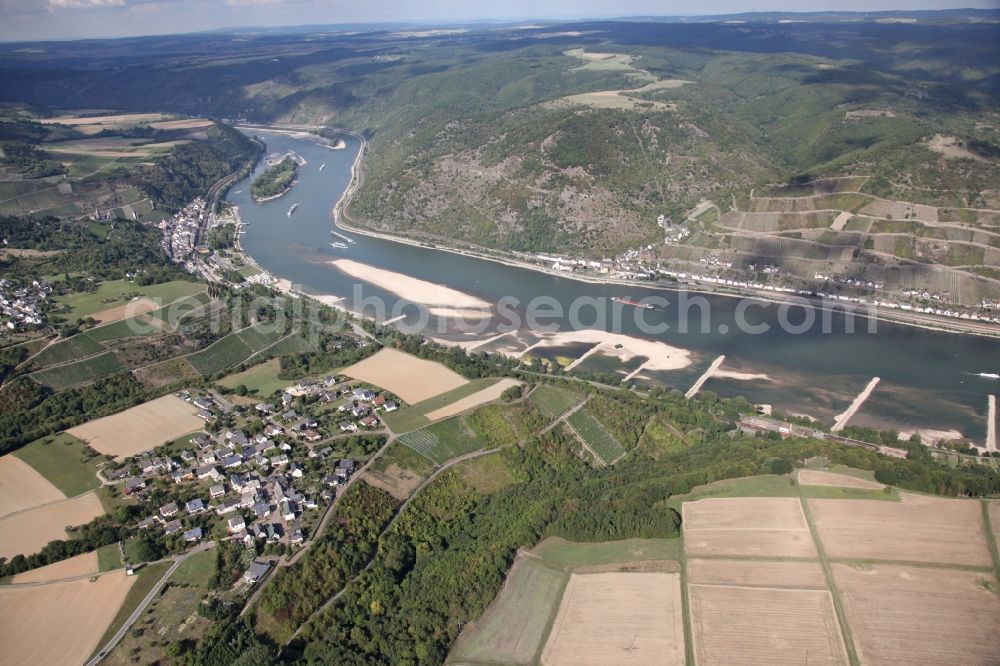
pixel 801 361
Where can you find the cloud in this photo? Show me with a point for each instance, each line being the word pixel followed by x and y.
pixel 63 4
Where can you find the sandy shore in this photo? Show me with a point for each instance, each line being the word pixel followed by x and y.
pixel 459 313
pixel 661 355
pixel 930 435
pixel 410 288
pixel 741 376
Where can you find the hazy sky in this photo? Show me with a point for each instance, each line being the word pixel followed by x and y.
pixel 61 19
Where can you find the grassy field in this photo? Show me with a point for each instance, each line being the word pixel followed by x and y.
pixel 69 349
pixel 413 417
pixel 196 570
pixel 119 292
pixel 513 628
pixel 221 354
pixel 486 474
pixel 108 557
pixel 553 401
pixel 596 437
pixel 65 461
pixel 79 373
pixel 261 380
pixel 572 554
pixel 405 457
pixel 773 485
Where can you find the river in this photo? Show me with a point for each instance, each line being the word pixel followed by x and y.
pixel 929 379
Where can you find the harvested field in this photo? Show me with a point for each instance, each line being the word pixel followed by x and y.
pixel 80 611
pixel 488 394
pixel 920 615
pixel 120 119
pixel 414 417
pixel 740 625
pixel 512 628
pixel 190 123
pixel 411 378
pixel 140 428
pixel 760 526
pixel 995 520
pixel 130 309
pixel 750 573
pixel 27 532
pixel 21 487
pixel 111 147
pixel 816 477
pixel 917 529
pixel 618 618
pixel 81 565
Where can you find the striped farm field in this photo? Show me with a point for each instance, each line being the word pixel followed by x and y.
pixel 553 401
pixel 82 372
pixel 444 440
pixel 596 437
pixel 220 355
pixel 257 339
pixel 764 626
pixel 421 441
pixel 513 627
pixel 69 349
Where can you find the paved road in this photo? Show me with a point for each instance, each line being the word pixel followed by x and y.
pixel 153 593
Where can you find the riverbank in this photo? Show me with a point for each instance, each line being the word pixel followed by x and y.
pixel 342 220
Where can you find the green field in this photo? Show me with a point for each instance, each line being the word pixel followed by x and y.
pixel 406 457
pixel 512 630
pixel 293 344
pixel 569 553
pixel 444 440
pixel 413 417
pixel 773 485
pixel 596 437
pixel 553 401
pixel 257 340
pixel 125 328
pixel 79 373
pixel 221 354
pixel 260 380
pixel 486 474
pixel 196 570
pixel 65 461
pixel 119 292
pixel 108 558
pixel 69 349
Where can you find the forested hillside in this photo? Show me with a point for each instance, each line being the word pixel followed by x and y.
pixel 579 136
